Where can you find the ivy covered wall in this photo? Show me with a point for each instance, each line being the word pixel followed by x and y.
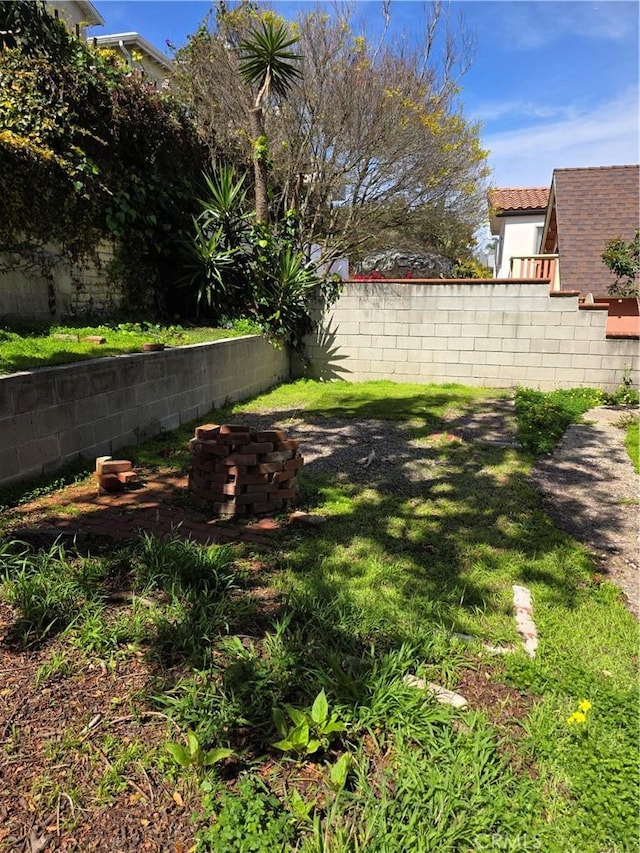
pixel 89 152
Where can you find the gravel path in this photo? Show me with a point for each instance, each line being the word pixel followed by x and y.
pixel 590 490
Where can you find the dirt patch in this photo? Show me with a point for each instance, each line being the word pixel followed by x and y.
pixel 506 707
pixel 62 785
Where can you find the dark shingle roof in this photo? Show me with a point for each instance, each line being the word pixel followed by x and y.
pixel 593 206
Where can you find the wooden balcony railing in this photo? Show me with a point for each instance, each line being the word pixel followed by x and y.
pixel 536 266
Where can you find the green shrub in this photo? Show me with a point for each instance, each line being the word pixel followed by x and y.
pixel 543 416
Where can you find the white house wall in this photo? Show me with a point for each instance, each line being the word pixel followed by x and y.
pixel 518 235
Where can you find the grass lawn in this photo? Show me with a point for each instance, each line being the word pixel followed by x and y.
pixel 65 344
pixel 241 699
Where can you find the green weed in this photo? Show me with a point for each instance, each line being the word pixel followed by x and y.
pixel 632 443
pixel 48 589
pixel 310 731
pixel 543 416
pixel 249 821
pixel 193 755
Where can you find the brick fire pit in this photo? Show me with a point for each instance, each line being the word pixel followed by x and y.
pixel 235 471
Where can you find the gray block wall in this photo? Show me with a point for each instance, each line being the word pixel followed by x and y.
pixel 490 333
pixel 28 294
pixel 50 416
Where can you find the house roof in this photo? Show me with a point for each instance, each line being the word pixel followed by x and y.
pixel 136 42
pixel 92 16
pixel 587 208
pixel 511 200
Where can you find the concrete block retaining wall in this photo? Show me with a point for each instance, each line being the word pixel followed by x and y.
pixel 498 333
pixel 49 416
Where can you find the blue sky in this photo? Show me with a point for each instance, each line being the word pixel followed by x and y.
pixel 554 84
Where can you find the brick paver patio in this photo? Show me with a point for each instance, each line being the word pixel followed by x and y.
pixel 160 506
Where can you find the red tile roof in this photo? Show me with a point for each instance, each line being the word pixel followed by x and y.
pixel 592 206
pixel 524 198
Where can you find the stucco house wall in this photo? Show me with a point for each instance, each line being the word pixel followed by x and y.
pixel 519 235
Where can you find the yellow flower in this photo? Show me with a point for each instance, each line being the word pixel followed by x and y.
pixel 585 705
pixel 577 717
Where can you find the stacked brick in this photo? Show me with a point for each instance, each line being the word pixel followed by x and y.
pixel 114 474
pixel 240 472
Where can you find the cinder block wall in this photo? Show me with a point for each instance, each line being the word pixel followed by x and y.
pixel 498 333
pixel 49 416
pixel 27 293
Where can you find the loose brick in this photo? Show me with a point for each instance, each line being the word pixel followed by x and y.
pixel 306 520
pixel 259 447
pixel 294 464
pixel 251 479
pixel 231 489
pixel 241 459
pixel 270 467
pixel 278 456
pixel 208 467
pixel 101 460
pixel 258 488
pixel 109 482
pixel 207 431
pixel 207 448
pixel 127 477
pixel 286 494
pixel 251 498
pixel 95 339
pixel 271 435
pixel 234 439
pixel 227 428
pixel 114 466
pixel 198 481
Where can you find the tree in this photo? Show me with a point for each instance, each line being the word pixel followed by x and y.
pixel 267 65
pixel 622 257
pixel 371 139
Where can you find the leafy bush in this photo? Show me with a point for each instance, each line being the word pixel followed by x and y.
pixel 543 417
pixel 246 270
pixel 90 151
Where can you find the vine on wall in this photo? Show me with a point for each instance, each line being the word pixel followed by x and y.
pixel 89 150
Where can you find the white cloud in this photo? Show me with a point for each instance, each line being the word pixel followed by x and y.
pixel 493 110
pixel 533 25
pixel 606 135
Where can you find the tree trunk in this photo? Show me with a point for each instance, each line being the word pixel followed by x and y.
pixel 259 166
